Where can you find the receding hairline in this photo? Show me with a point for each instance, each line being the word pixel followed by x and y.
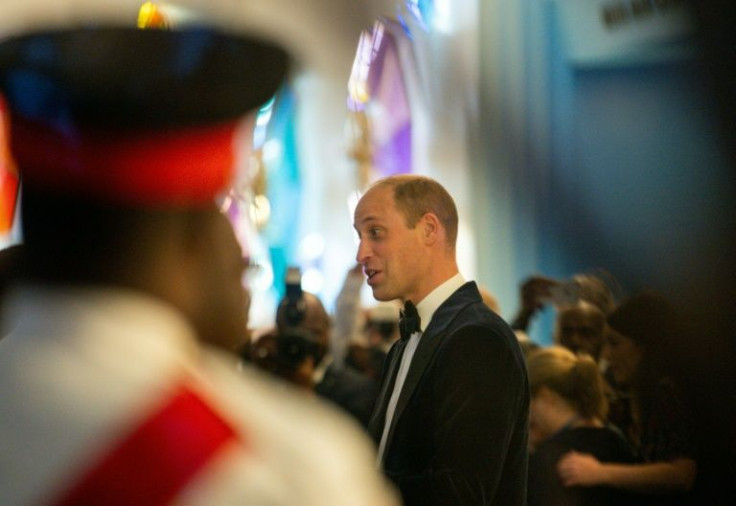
pixel 443 205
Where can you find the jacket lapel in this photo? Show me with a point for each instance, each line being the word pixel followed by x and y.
pixel 378 418
pixel 431 339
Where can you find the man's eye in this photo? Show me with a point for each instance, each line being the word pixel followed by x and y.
pixel 374 232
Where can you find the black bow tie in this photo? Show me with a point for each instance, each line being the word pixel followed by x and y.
pixel 409 322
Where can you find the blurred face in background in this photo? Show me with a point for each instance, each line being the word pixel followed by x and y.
pixel 542 424
pixel 581 329
pixel 317 321
pixel 623 355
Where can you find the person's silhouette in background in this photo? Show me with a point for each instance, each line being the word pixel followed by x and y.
pixel 644 331
pixel 568 412
pixel 339 383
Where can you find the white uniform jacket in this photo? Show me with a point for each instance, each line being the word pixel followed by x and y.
pixel 107 398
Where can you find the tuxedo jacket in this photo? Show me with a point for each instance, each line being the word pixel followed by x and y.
pixel 460 428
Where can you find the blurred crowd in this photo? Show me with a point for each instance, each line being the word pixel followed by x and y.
pixel 612 415
pixel 612 420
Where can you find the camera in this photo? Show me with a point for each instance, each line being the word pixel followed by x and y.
pixel 292 343
pixel 294 305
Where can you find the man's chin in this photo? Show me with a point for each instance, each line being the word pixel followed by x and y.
pixel 380 295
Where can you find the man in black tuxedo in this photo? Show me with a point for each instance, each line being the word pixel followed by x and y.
pixel 451 420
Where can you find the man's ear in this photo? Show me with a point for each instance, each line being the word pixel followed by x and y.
pixel 431 228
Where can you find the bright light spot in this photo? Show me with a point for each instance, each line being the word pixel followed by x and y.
pixel 272 150
pixel 313 281
pixel 260 210
pixel 358 81
pixel 376 111
pixel 151 16
pixel 311 247
pixel 378 29
pixel 226 203
pixel 262 119
pixel 264 113
pixel 443 20
pixel 262 277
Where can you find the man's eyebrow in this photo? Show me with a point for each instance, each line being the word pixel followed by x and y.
pixel 360 225
pixel 365 220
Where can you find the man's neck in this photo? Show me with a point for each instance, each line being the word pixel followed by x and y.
pixel 434 279
pixel 436 297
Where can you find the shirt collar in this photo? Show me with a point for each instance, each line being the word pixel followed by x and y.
pixel 436 297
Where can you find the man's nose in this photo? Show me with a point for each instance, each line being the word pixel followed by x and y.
pixel 363 253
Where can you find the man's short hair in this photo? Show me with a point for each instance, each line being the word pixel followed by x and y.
pixel 416 196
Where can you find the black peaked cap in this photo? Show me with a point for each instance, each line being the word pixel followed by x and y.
pixel 130 78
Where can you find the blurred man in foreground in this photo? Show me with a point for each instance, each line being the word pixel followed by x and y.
pixel 124 137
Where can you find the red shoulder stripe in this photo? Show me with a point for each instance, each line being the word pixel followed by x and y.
pixel 151 465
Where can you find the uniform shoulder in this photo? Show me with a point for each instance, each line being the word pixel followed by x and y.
pixel 318 447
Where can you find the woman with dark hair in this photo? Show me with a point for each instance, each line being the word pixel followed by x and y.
pixel 567 412
pixel 644 331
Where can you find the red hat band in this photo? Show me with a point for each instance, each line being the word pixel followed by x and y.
pixel 178 166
